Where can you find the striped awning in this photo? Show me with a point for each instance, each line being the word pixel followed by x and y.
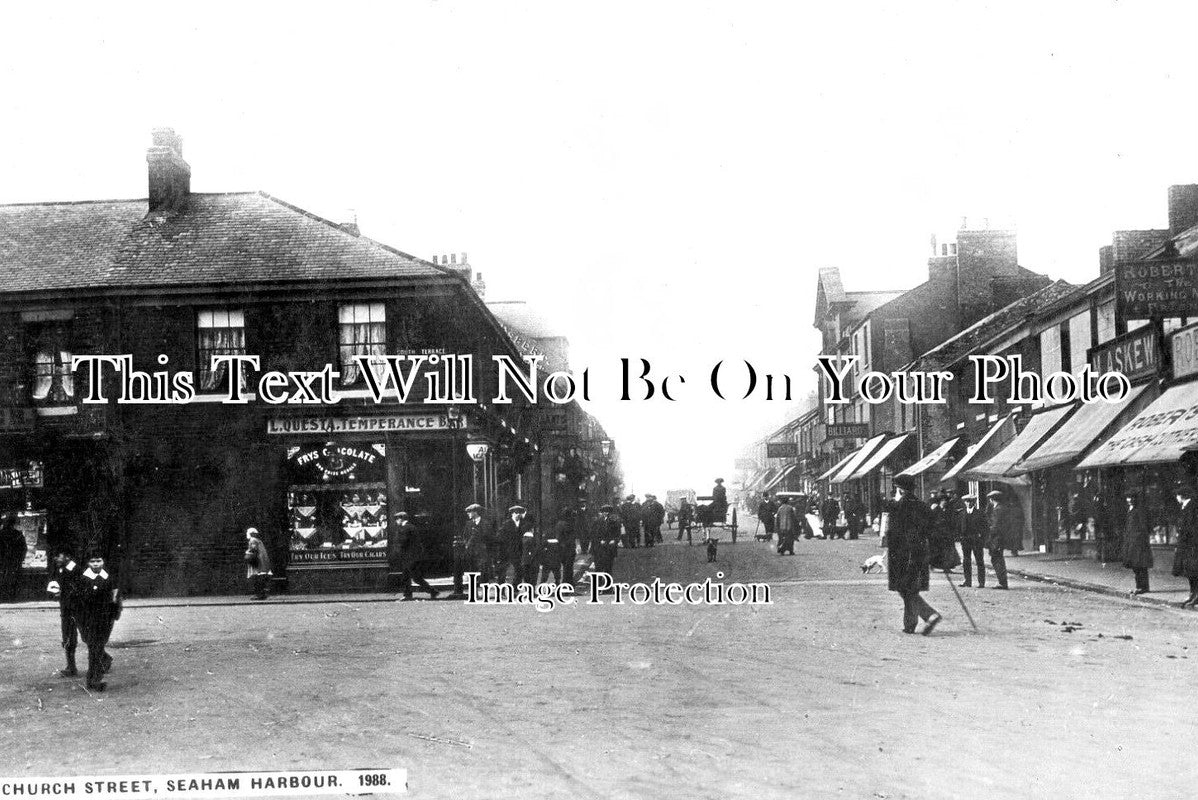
pixel 858 458
pixel 932 459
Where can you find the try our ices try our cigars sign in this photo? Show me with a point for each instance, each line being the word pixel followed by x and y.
pixel 1148 289
pixel 382 423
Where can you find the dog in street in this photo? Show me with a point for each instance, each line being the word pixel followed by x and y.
pixel 874 564
pixel 712 544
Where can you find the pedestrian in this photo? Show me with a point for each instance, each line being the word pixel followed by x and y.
pixel 652 515
pixel 786 524
pixel 550 557
pixel 630 516
pixel 972 531
pixel 854 516
pixel 512 534
pixel 12 555
pixel 410 541
pixel 607 539
pixel 1003 517
pixel 1185 559
pixel 471 544
pixel 829 514
pixel 98 606
pixel 64 587
pixel 765 513
pixel 686 520
pixel 907 541
pixel 257 564
pixel 1137 549
pixel 719 501
pixel 566 531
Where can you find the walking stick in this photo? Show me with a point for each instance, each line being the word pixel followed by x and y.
pixel 757 527
pixel 953 586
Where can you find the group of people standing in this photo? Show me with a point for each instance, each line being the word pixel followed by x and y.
pixel 828 509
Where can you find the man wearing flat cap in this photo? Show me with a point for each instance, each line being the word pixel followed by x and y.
pixel 1006 525
pixel 653 514
pixel 517 537
pixel 908 525
pixel 472 545
pixel 973 530
pixel 630 516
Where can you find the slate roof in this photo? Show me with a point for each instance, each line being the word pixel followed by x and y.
pixel 520 315
pixel 987 328
pixel 247 237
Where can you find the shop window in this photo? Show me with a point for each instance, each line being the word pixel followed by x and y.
pixel 337 504
pixel 219 332
pixel 363 332
pixel 50 356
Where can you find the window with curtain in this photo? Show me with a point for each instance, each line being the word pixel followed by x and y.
pixel 53 381
pixel 220 332
pixel 363 332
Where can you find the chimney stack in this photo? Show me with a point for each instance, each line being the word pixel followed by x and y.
pixel 169 174
pixel 1183 207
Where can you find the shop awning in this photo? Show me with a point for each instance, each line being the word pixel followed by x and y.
pixel 1000 465
pixel 999 434
pixel 752 482
pixel 1159 434
pixel 857 459
pixel 932 459
pixel 834 469
pixel 880 456
pixel 1082 431
pixel 766 475
pixel 781 476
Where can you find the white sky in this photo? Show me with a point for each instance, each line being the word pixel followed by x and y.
pixel 665 179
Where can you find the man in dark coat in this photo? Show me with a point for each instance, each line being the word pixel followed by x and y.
pixel 787 521
pixel 97 607
pixel 630 516
pixel 719 501
pixel 854 516
pixel 512 536
pixel 686 519
pixel 410 541
pixel 972 530
pixel 765 513
pixel 829 513
pixel 1185 559
pixel 907 540
pixel 1003 518
pixel 653 514
pixel 607 539
pixel 12 556
pixel 564 533
pixel 63 586
pixel 473 546
pixel 1137 549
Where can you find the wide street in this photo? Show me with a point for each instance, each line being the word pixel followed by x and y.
pixel 1062 693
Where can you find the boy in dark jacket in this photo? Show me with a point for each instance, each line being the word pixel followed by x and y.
pixel 63 586
pixel 97 608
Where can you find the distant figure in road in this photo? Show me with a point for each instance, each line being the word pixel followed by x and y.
pixel 630 516
pixel 719 501
pixel 511 544
pixel 1185 560
pixel 829 514
pixel 607 540
pixel 471 544
pixel 1004 517
pixel 653 514
pixel 854 516
pixel 12 556
pixel 972 531
pixel 686 520
pixel 907 542
pixel 786 521
pixel 257 564
pixel 564 530
pixel 98 606
pixel 409 539
pixel 765 513
pixel 64 587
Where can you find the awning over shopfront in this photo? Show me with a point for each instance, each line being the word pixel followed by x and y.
pixel 932 459
pixel 839 465
pixel 1159 434
pixel 999 434
pixel 999 467
pixel 881 455
pixel 1086 428
pixel 765 476
pixel 781 476
pixel 752 482
pixel 857 459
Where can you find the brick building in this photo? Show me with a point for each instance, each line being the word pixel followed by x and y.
pixel 167 489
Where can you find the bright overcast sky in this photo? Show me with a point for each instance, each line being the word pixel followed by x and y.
pixel 664 179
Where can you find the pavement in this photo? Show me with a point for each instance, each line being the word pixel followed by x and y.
pixel 1061 692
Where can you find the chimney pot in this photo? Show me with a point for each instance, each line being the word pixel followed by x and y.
pixel 463 258
pixel 169 175
pixel 453 259
pixel 964 223
pixel 1183 207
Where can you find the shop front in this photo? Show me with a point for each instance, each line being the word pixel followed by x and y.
pixel 346 477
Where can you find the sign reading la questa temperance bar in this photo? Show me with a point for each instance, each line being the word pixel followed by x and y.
pixel 1148 289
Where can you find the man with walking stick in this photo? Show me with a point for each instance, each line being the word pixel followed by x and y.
pixel 908 524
